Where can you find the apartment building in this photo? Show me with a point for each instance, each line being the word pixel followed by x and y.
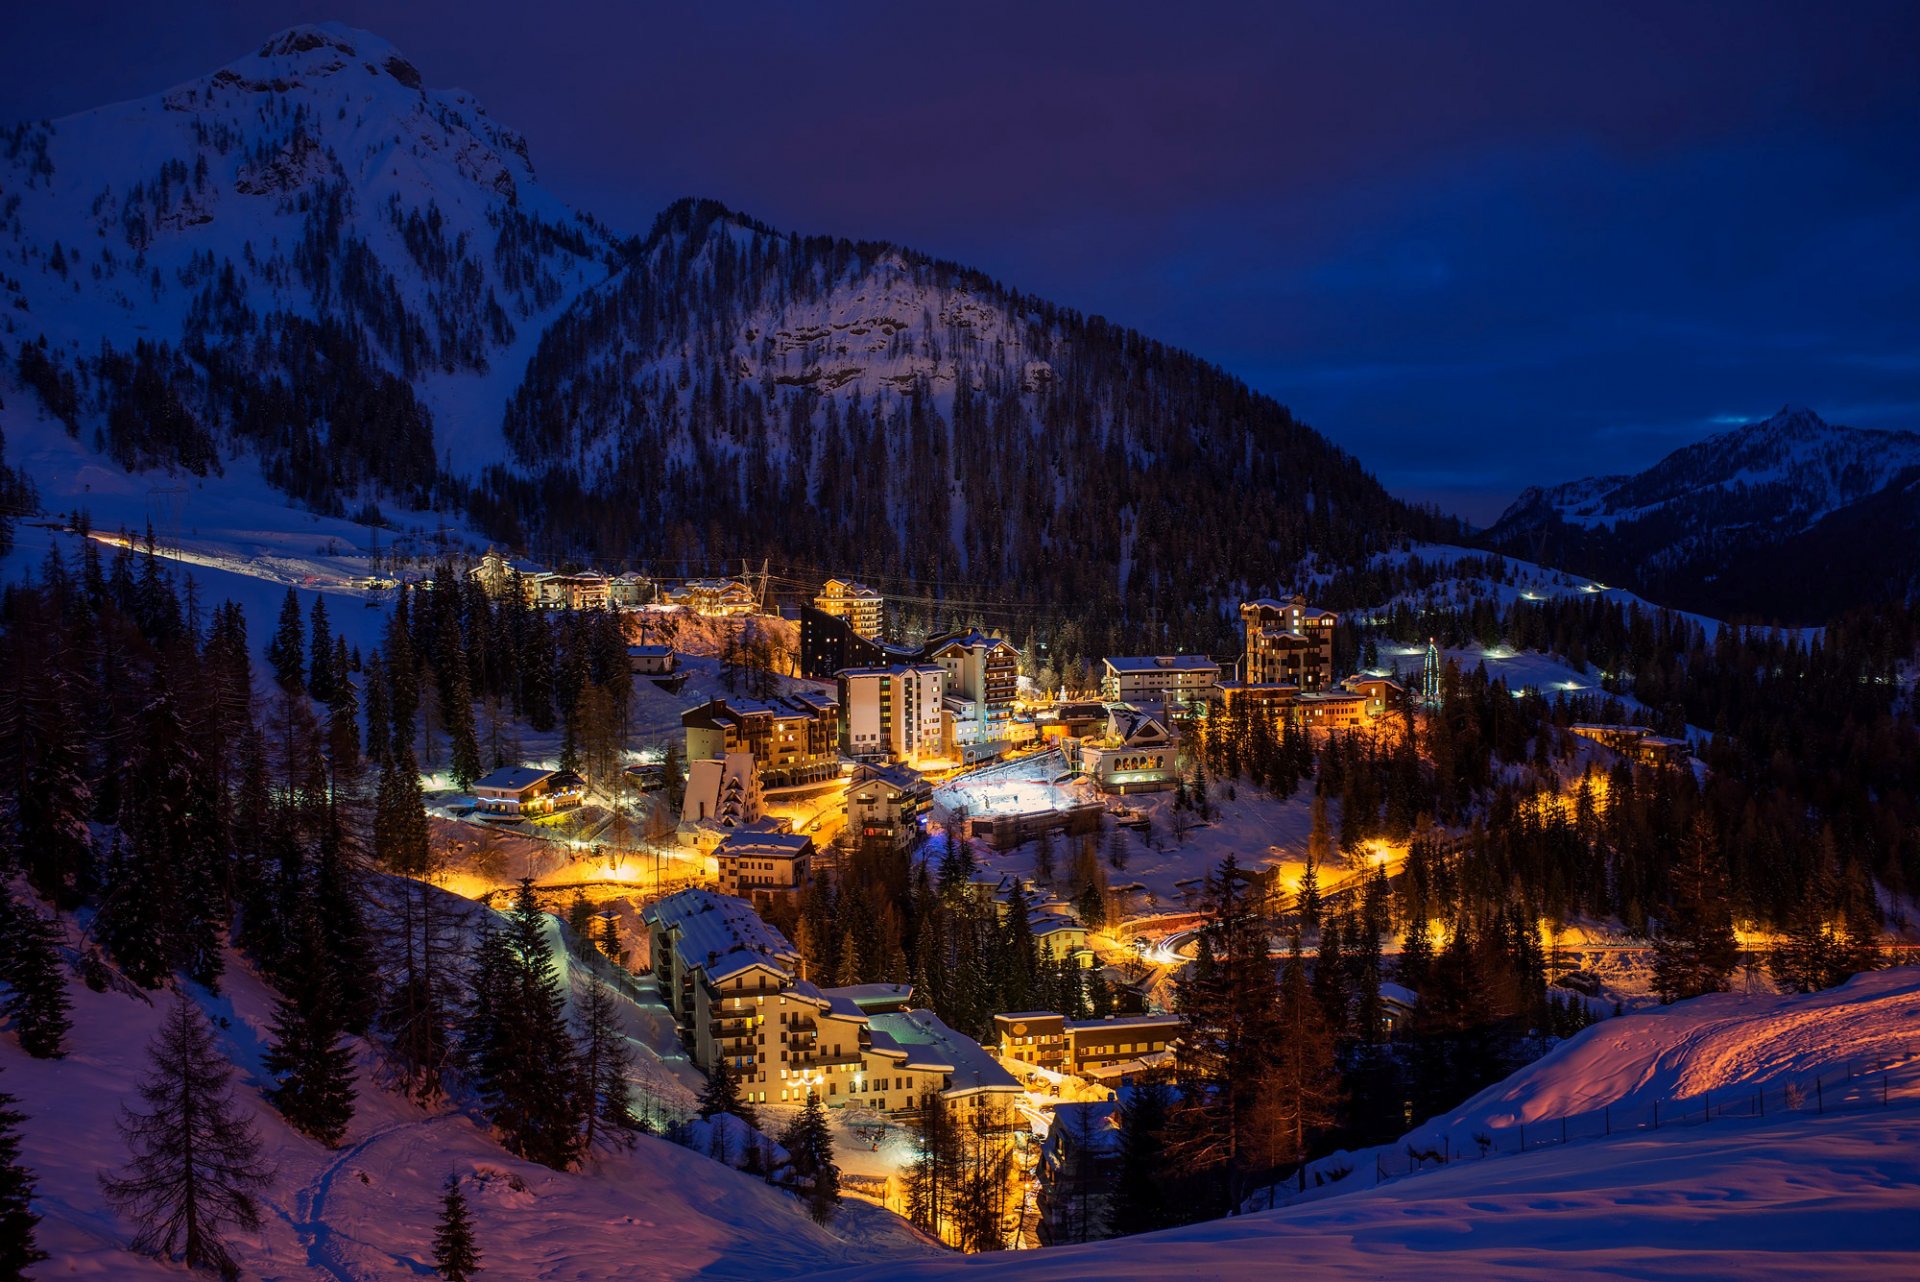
pixel 893 713
pixel 734 984
pixel 1335 709
pixel 984 672
pixel 862 607
pixel 885 805
pixel 1084 1047
pixel 794 739
pixel 1288 643
pixel 723 791
pixel 1169 682
pixel 761 865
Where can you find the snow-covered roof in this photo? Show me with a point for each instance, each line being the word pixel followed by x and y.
pixel 512 778
pixel 871 997
pixel 930 1045
pixel 1124 1022
pixel 720 935
pixel 649 651
pixel 1163 663
pixel 762 843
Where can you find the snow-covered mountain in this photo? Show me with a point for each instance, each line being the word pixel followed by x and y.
pixel 309 257
pixel 1727 525
pixel 305 255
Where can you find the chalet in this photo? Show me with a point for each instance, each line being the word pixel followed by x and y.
pixel 1079 1164
pixel 1334 709
pixel 715 598
pixel 651 660
pixel 1383 694
pixel 1086 1047
pixel 628 591
pixel 522 792
pixel 1639 743
pixel 1134 754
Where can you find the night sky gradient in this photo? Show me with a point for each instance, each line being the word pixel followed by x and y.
pixel 1480 245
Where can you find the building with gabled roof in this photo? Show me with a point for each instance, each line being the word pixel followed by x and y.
pixel 1135 753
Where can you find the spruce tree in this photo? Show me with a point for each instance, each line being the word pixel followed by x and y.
pixel 606 1067
pixel 721 1094
pixel 809 1143
pixel 196 1166
pixel 1696 949
pixel 309 1057
pixel 35 979
pixel 287 651
pixel 53 801
pixel 1142 1197
pixel 320 667
pixel 18 1219
pixel 455 1256
pixel 519 1050
pixel 1303 1094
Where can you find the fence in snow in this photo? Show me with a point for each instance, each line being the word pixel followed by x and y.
pixel 1868 1082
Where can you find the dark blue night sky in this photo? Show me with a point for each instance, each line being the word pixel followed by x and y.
pixel 1481 245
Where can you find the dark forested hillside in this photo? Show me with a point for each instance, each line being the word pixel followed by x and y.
pixel 735 391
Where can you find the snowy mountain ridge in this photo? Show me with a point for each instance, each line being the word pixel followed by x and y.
pixel 1795 467
pixel 305 253
pixel 1719 525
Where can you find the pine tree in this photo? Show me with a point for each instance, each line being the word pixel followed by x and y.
pixel 610 937
pixel 51 806
pixel 196 1163
pixel 809 1144
pixel 36 981
pixel 320 670
pixel 1696 949
pixel 520 1054
pixel 1304 1090
pixel 1043 870
pixel 457 712
pixel 455 1256
pixel 1415 962
pixel 401 841
pixel 309 1058
pixel 606 1066
pixel 721 1094
pixel 18 1247
pixel 1141 1196
pixel 287 652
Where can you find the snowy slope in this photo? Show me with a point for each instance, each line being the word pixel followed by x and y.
pixel 1831 1198
pixel 367 1210
pixel 1739 1198
pixel 315 179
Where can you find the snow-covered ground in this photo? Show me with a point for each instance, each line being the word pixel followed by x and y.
pixel 1804 1195
pixel 367 1210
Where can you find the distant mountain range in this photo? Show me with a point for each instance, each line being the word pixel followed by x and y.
pixel 1785 520
pixel 309 256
